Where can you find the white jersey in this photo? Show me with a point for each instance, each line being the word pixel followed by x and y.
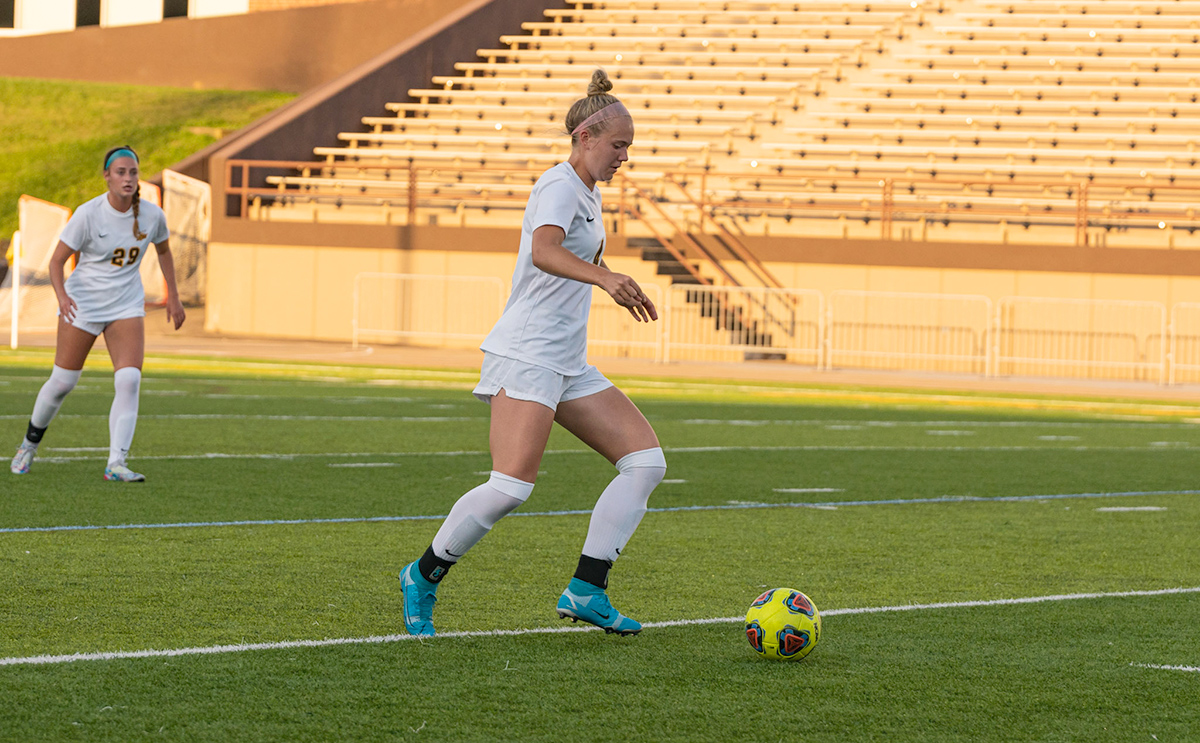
pixel 545 320
pixel 106 284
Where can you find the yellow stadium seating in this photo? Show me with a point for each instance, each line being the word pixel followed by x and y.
pixel 793 118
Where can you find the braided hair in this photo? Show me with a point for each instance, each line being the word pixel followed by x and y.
pixel 137 198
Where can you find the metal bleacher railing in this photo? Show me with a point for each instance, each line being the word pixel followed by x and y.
pixel 465 192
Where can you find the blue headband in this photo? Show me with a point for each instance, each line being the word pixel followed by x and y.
pixel 123 152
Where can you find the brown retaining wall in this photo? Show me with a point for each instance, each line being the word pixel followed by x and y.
pixel 292 50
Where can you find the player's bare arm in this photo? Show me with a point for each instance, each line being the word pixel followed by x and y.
pixel 550 256
pixel 166 262
pixel 58 261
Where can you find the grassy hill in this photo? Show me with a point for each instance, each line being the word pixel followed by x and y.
pixel 56 133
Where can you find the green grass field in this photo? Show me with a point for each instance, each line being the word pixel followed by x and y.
pixel 282 499
pixel 56 133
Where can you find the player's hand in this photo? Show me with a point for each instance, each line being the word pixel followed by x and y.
pixel 175 313
pixel 644 311
pixel 626 292
pixel 66 308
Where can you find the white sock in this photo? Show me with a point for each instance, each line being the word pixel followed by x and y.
pixel 122 418
pixel 623 503
pixel 50 398
pixel 477 512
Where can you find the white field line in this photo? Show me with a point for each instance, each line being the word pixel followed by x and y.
pixel 857 424
pixel 730 506
pixel 446 379
pixel 809 490
pixel 669 449
pixel 248 417
pixel 820 447
pixel 248 396
pixel 379 639
pixel 77 448
pixel 1188 669
pixel 356 374
pixel 848 424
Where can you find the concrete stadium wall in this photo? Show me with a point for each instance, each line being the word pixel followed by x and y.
pixel 292 50
pixel 257 5
pixel 305 289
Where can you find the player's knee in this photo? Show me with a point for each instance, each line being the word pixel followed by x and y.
pixel 648 465
pixel 518 490
pixel 127 380
pixel 62 381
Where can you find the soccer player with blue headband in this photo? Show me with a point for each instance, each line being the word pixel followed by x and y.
pixel 104 295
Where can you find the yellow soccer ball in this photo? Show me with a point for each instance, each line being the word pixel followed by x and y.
pixel 783 624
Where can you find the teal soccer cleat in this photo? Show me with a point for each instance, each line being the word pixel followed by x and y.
pixel 419 597
pixel 583 601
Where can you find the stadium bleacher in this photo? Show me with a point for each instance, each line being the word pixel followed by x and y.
pixel 809 119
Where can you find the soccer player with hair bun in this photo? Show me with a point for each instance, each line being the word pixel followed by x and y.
pixel 535 373
pixel 104 294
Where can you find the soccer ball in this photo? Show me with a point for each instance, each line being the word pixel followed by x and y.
pixel 783 624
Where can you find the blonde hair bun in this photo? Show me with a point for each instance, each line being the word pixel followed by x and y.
pixel 600 83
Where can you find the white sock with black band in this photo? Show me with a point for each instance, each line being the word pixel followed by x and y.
pixel 49 401
pixel 122 418
pixel 476 512
pixel 623 503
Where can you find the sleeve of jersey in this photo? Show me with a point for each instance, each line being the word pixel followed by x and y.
pixel 160 234
pixel 555 206
pixel 76 232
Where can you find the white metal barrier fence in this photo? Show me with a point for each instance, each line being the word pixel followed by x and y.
pixel 447 311
pixel 709 323
pixel 1091 338
pixel 1023 336
pixel 1185 343
pixel 613 332
pixel 892 330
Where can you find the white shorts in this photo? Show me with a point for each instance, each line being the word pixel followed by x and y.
pixel 96 328
pixel 524 381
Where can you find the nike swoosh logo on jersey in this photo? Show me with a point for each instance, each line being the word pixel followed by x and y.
pixel 591 219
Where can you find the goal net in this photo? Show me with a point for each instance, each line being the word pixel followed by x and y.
pixel 188 204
